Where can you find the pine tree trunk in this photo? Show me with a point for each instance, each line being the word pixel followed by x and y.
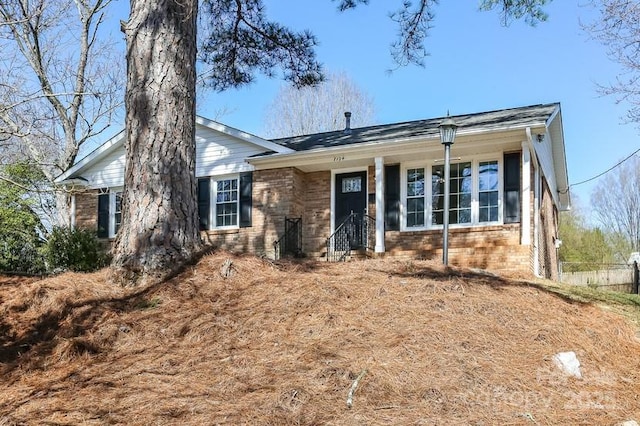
pixel 159 232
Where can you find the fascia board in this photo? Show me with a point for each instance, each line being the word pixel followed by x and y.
pixel 117 140
pixel 556 131
pixel 96 155
pixel 239 134
pixel 363 150
pixel 369 149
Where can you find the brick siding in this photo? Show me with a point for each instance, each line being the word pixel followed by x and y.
pixel 486 247
pixel 288 192
pixel 87 210
pixel 316 220
pixel 548 255
pixel 273 200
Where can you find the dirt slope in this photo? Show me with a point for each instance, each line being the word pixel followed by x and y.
pixel 283 344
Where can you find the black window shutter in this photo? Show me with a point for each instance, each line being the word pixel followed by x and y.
pixel 512 188
pixel 392 197
pixel 103 215
pixel 204 202
pixel 246 186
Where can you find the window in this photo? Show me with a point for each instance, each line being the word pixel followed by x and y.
pixel 415 197
pixel 460 186
pixel 352 184
pixel 226 205
pixel 488 191
pixel 225 202
pixel 474 194
pixel 117 211
pixel 109 213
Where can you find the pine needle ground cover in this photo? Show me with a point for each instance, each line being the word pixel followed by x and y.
pixel 284 344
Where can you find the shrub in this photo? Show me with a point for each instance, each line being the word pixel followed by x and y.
pixel 21 255
pixel 74 249
pixel 21 228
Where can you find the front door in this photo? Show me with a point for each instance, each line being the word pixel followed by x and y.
pixel 351 196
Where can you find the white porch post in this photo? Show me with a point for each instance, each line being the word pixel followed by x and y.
pixel 379 175
pixel 525 238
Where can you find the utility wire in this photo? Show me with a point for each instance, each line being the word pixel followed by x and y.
pixel 603 173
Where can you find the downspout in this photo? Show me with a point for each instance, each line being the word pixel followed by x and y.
pixel 536 204
pixel 72 213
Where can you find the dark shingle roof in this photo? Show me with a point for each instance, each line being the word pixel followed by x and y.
pixel 513 117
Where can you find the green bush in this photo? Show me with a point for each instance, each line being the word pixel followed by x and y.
pixel 21 228
pixel 74 249
pixel 21 255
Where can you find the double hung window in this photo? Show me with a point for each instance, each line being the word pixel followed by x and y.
pixel 226 205
pixel 109 213
pixel 225 202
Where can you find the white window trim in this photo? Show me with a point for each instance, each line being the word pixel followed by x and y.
pixel 112 211
pixel 475 197
pixel 213 197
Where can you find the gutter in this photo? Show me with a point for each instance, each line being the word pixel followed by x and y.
pixel 361 148
pixel 77 181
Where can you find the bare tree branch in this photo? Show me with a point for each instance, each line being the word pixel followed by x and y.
pixel 320 108
pixel 618 28
pixel 60 85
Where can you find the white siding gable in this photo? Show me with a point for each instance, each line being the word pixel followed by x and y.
pixel 218 153
pixel 108 172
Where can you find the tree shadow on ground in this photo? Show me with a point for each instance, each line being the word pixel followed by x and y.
pixel 481 277
pixel 71 321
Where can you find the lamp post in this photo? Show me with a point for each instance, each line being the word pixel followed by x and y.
pixel 447 135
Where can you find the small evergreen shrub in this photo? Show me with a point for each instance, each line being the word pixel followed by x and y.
pixel 21 228
pixel 74 249
pixel 21 255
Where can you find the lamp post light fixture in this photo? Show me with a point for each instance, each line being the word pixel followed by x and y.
pixel 448 130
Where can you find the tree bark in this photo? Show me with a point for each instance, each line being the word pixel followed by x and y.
pixel 159 232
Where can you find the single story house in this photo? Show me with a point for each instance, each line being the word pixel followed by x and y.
pixel 376 190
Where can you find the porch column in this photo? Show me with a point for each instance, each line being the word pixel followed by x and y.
pixel 525 238
pixel 379 205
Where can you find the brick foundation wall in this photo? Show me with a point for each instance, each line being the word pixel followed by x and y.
pixel 489 247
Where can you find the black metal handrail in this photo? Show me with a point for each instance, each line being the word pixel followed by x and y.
pixel 291 241
pixel 357 231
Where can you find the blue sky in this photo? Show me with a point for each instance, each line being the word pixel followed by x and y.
pixel 475 65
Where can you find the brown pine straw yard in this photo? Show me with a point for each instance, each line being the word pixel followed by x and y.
pixel 283 344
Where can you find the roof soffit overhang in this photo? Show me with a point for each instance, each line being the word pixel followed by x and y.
pixel 467 138
pixel 558 149
pixel 557 163
pixel 117 141
pixel 69 176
